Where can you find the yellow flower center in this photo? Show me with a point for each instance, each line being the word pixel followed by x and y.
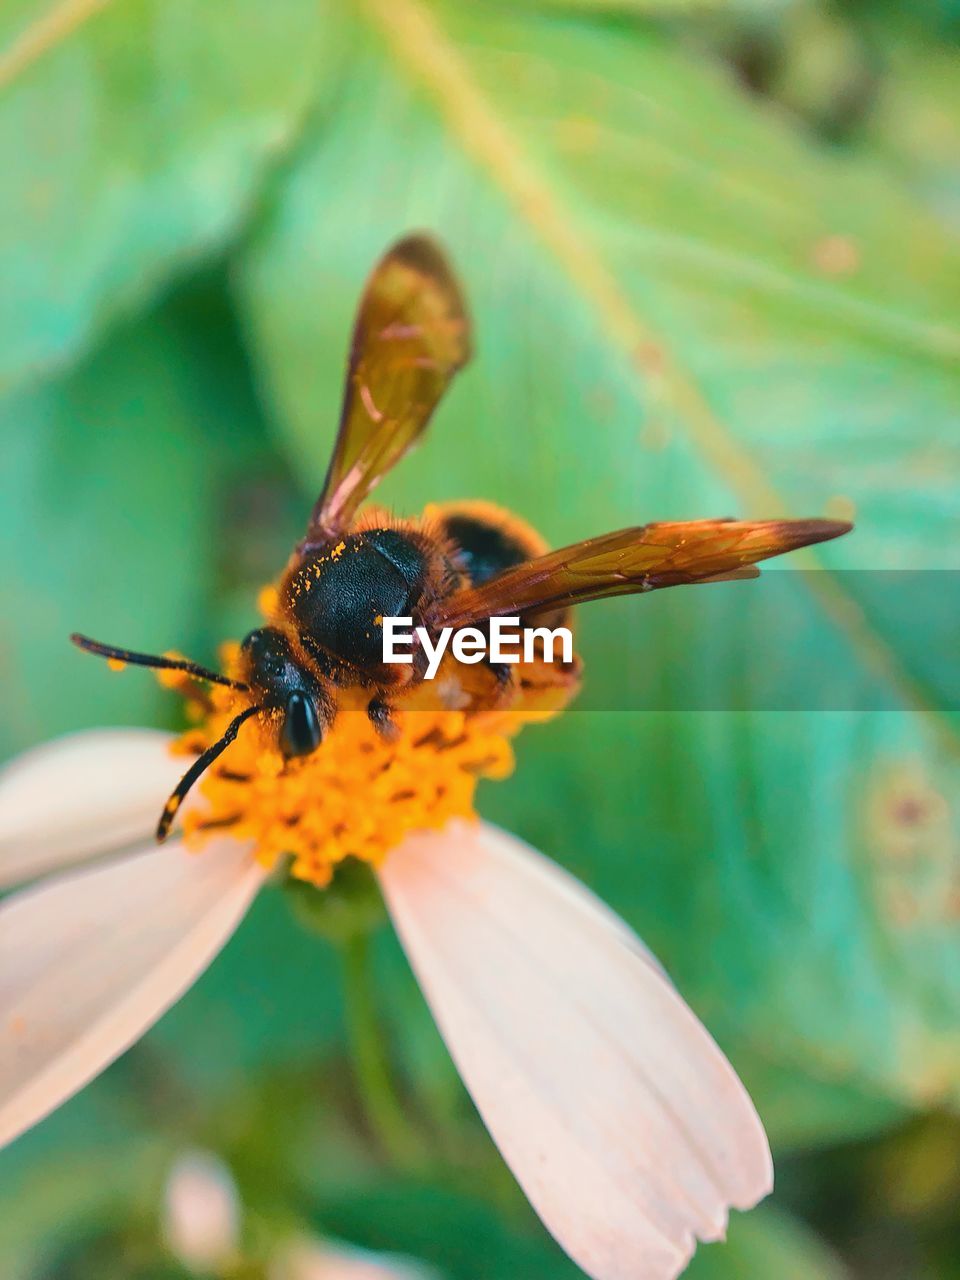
pixel 361 791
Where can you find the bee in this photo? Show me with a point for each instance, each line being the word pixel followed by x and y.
pixel 459 565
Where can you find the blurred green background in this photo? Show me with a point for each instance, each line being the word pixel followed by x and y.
pixel 711 254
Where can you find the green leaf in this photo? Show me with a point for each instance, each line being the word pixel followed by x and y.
pixel 122 482
pixel 683 309
pixel 915 122
pixel 105 528
pixel 134 138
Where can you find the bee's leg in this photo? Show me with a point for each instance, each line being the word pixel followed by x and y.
pixel 381 717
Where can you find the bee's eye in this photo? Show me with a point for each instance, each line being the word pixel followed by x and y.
pixel 301 732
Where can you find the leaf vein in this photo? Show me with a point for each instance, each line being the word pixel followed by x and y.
pixel 48 31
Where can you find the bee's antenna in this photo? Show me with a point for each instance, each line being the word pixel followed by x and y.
pixel 199 766
pixel 153 660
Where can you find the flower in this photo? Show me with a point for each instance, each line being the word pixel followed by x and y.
pixel 201 1212
pixel 621 1119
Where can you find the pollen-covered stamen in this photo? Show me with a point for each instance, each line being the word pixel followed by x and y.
pixel 358 794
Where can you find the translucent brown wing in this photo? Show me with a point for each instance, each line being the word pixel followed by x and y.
pixel 411 336
pixel 631 560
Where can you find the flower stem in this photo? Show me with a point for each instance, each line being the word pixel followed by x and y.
pixel 384 1109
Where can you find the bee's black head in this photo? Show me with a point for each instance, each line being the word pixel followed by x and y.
pixel 279 681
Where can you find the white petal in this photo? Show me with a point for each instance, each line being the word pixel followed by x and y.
pixel 619 1116
pixel 201 1211
pixel 91 959
pixel 82 795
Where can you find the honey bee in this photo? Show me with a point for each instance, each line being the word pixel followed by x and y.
pixel 459 565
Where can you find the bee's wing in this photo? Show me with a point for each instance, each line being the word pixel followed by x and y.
pixel 632 560
pixel 412 334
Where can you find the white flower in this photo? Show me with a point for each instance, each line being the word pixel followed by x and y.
pixel 201 1212
pixel 620 1118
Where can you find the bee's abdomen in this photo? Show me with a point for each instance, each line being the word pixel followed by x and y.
pixel 488 539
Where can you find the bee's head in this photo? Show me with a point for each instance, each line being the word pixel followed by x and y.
pixel 272 677
pixel 278 681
